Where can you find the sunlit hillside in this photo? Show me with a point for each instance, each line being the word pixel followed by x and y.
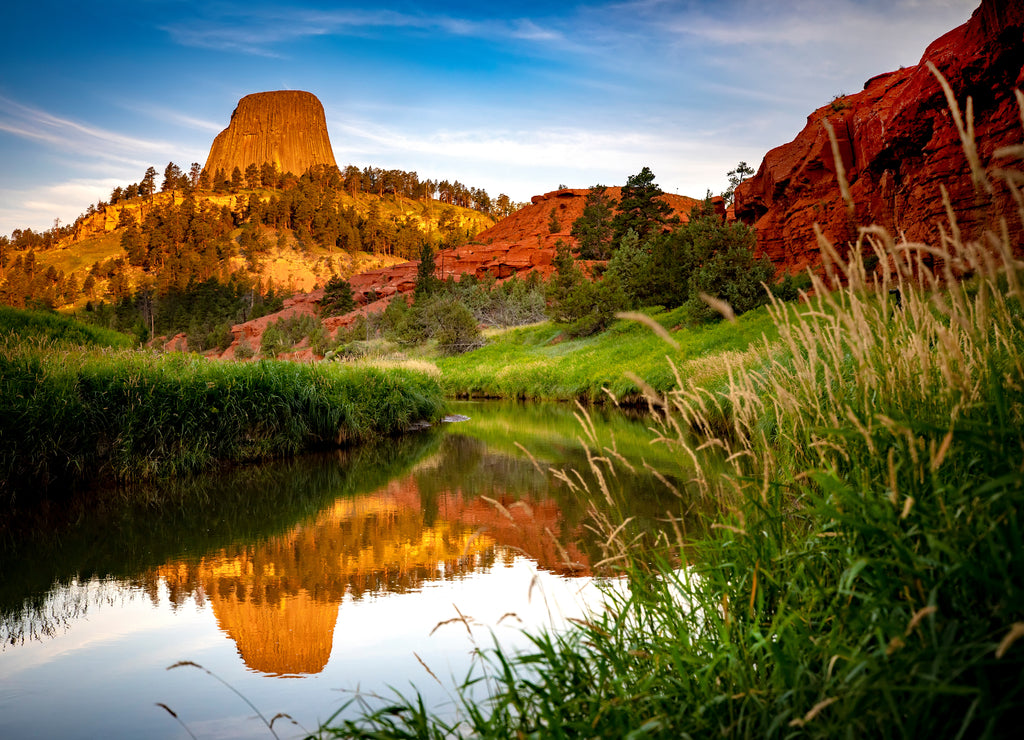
pixel 290 239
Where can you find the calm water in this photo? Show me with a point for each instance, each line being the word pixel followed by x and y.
pixel 301 582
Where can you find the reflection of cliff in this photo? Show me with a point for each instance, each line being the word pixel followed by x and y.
pixel 278 599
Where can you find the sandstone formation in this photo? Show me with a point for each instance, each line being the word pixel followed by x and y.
pixel 519 244
pixel 286 127
pixel 899 143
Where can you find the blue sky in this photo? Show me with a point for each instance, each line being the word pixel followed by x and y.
pixel 517 97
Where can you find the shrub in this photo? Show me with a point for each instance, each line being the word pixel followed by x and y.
pixel 337 298
pixel 449 322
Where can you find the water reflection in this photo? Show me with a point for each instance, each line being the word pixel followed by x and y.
pixel 278 599
pixel 279 551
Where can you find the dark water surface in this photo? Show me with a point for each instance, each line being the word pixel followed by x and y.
pixel 302 581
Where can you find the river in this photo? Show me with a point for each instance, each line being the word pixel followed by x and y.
pixel 302 583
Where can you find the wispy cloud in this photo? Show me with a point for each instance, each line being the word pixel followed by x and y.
pixel 82 139
pixel 37 207
pixel 517 160
pixel 263 30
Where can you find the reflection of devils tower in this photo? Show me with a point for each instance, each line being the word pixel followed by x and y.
pixel 278 599
pixel 286 127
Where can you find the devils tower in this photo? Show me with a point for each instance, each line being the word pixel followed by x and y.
pixel 285 127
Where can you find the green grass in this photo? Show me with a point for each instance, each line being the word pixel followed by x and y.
pixel 535 362
pixel 73 416
pixel 48 327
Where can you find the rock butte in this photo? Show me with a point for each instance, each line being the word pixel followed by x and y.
pixel 898 143
pixel 286 127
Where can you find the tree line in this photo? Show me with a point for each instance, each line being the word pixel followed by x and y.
pixel 351 179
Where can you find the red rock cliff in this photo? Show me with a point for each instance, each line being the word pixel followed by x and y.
pixel 898 143
pixel 286 127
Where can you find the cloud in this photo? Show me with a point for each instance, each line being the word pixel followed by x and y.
pixel 524 163
pixel 81 139
pixel 37 207
pixel 258 32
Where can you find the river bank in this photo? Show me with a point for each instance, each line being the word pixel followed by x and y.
pixel 76 414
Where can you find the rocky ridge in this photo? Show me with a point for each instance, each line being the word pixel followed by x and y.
pixel 899 143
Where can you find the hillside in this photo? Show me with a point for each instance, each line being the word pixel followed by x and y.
pixel 284 257
pixel 521 243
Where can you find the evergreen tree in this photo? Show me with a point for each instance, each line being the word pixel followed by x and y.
pixel 553 224
pixel 148 184
pixel 172 177
pixel 426 281
pixel 253 179
pixel 632 266
pixel 337 298
pixel 641 209
pixel 736 176
pixel 593 229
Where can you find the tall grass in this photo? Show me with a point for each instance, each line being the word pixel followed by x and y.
pixel 862 577
pixel 44 325
pixel 72 416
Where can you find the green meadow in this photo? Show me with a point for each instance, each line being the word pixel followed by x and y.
pixel 537 362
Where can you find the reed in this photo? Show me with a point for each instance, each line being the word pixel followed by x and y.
pixel 74 416
pixel 860 577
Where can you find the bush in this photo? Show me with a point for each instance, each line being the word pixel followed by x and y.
pixel 448 321
pixel 587 306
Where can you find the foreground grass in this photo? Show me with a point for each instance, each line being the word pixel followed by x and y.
pixel 861 577
pixel 74 415
pixel 536 362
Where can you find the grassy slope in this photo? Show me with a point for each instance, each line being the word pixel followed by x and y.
pixel 533 362
pixel 44 327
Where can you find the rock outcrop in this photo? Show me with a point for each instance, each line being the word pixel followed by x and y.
pixel 899 143
pixel 285 127
pixel 517 244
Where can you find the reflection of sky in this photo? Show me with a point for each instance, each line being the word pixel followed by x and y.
pixel 104 676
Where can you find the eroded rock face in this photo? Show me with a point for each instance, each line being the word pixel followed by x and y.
pixel 286 127
pixel 521 243
pixel 899 143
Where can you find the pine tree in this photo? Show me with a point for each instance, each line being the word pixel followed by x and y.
pixel 426 281
pixel 594 229
pixel 641 209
